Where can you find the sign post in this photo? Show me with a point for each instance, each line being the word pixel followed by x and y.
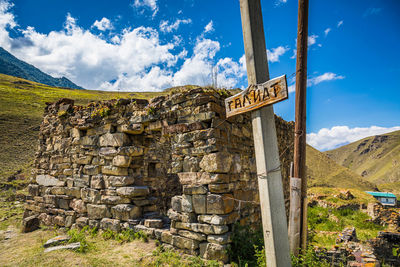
pixel 265 140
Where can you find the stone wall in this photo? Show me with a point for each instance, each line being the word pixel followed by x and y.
pixel 173 167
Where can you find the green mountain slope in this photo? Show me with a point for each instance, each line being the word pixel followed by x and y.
pixel 375 158
pixel 11 65
pixel 21 108
pixel 324 172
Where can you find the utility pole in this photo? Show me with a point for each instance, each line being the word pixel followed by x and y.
pixel 265 141
pixel 299 170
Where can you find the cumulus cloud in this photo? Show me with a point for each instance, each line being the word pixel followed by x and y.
pixel 166 26
pixel 312 39
pixel 274 54
pixel 327 31
pixel 103 25
pixel 327 76
pixel 209 27
pixel 340 23
pixel 326 139
pixel 134 59
pixel 152 4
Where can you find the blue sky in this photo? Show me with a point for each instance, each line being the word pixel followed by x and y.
pixel 149 45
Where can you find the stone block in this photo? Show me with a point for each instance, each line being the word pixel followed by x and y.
pixel 220 239
pixel 219 162
pixel 131 128
pixel 133 191
pixel 118 181
pixel 97 182
pixel 91 170
pixel 83 160
pixel 199 203
pixel 202 178
pixel 187 204
pixel 63 203
pixel 59 220
pixel 89 140
pixel 154 223
pixel 112 224
pixel 183 217
pixel 108 151
pixel 33 189
pixel 192 235
pixel 113 170
pixel 30 224
pixel 194 189
pixel 121 161
pixel 176 203
pixel 220 204
pixel 131 151
pixel 113 200
pixel 219 219
pixel 68 172
pixel 98 211
pixel 220 188
pixel 211 251
pixel 202 228
pixel 73 192
pixel 115 140
pixel 82 222
pixel 47 180
pixel 166 237
pixel 185 243
pixel 125 212
pixel 56 190
pixel 90 195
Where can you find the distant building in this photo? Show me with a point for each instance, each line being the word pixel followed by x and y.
pixel 385 198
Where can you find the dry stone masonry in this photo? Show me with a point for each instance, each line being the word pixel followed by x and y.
pixel 173 167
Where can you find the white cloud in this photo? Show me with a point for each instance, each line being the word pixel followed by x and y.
pixel 327 139
pixel 327 76
pixel 165 26
pixel 372 11
pixel 209 27
pixel 134 59
pixel 340 23
pixel 327 31
pixel 152 4
pixel 103 25
pixel 275 53
pixel 312 39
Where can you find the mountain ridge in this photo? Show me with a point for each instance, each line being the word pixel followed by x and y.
pixel 10 65
pixel 375 158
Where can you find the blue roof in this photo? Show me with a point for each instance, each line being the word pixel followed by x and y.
pixel 381 194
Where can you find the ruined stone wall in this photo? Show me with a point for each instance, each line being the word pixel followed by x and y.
pixel 173 167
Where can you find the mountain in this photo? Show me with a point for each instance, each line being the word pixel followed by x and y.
pixel 375 158
pixel 325 172
pixel 11 65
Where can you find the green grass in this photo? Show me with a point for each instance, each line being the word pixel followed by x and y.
pixel 325 172
pixel 334 220
pixel 377 158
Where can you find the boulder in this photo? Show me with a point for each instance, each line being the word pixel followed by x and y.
pixel 125 212
pixel 133 191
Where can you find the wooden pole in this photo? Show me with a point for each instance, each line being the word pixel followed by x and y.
pixel 300 117
pixel 265 141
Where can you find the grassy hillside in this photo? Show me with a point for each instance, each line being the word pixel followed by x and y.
pixel 21 109
pixel 323 171
pixel 375 158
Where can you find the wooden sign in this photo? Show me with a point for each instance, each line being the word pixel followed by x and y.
pixel 257 96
